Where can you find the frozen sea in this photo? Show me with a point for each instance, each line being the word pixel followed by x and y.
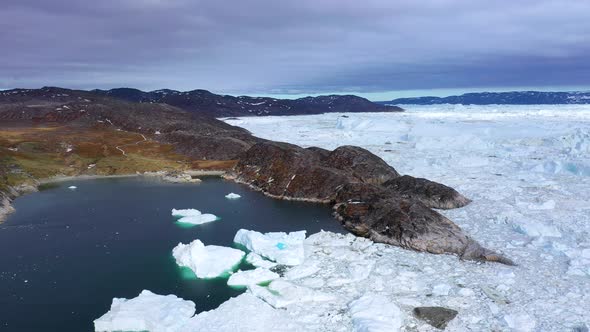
pixel 527 170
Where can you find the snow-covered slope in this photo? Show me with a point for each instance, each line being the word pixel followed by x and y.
pixel 527 169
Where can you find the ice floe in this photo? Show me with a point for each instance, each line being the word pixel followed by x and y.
pixel 232 196
pixel 72 187
pixel 193 216
pixel 146 312
pixel 207 261
pixel 251 277
pixel 280 247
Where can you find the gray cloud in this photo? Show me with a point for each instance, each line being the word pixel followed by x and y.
pixel 282 46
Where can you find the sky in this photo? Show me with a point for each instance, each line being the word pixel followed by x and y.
pixel 380 49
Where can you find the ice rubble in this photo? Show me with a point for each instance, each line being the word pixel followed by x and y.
pixel 232 196
pixel 280 247
pixel 207 261
pixel 146 312
pixel 193 216
pixel 375 313
pixel 251 277
pixel 527 169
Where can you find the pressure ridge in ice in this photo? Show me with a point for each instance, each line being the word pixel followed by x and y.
pixel 146 312
pixel 193 216
pixel 280 247
pixel 207 261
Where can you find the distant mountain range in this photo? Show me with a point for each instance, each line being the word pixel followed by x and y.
pixel 205 102
pixel 501 98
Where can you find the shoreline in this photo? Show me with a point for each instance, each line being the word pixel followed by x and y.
pixel 6 208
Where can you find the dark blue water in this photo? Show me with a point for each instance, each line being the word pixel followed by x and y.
pixel 66 253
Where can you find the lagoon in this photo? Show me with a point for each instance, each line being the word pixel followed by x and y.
pixel 66 253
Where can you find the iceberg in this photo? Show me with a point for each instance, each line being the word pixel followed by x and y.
pixel 251 277
pixel 207 261
pixel 375 313
pixel 232 196
pixel 193 216
pixel 282 248
pixel 72 187
pixel 185 213
pixel 146 312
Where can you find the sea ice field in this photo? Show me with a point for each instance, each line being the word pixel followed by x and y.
pixel 527 170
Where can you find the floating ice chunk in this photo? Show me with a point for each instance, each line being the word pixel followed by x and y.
pixel 257 260
pixel 185 212
pixel 549 205
pixel 207 261
pixel 243 313
pixel 520 322
pixel 232 196
pixel 251 277
pixel 375 313
pixel 441 290
pixel 192 216
pixel 197 220
pixel 72 187
pixel 280 247
pixel 535 228
pixel 281 293
pixel 146 312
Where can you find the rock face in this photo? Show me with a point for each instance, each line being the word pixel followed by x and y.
pixel 369 197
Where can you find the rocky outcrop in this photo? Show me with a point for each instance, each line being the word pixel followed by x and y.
pixel 369 197
pixel 438 317
pixel 431 194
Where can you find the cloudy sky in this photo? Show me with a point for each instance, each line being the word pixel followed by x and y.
pixel 295 47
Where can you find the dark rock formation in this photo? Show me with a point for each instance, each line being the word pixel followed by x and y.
pixel 369 197
pixel 438 317
pixel 431 194
pixel 205 102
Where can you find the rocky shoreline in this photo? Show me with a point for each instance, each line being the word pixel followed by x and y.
pixel 368 196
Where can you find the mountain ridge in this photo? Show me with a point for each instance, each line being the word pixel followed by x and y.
pixel 500 98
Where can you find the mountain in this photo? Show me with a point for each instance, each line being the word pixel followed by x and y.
pixel 193 134
pixel 205 102
pixel 500 98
